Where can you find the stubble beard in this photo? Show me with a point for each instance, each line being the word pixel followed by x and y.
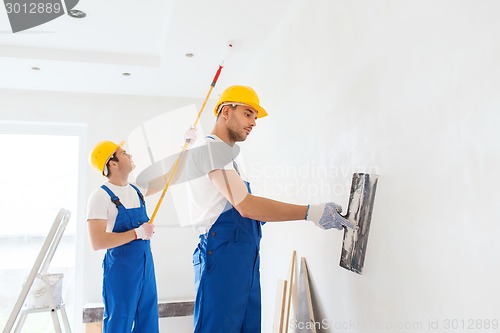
pixel 235 136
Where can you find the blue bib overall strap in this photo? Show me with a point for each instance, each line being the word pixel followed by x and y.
pixel 129 284
pixel 227 277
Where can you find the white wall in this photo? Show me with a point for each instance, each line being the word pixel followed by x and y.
pixel 408 89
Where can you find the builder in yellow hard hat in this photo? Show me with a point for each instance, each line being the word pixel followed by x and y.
pixel 117 222
pixel 228 218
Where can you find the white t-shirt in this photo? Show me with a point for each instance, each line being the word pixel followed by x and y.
pixel 205 202
pixel 100 206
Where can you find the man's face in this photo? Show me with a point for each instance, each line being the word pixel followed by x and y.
pixel 240 122
pixel 125 162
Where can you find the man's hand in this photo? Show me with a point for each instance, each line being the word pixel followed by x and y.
pixel 145 231
pixel 327 216
pixel 190 135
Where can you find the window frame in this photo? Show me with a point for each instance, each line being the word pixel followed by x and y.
pixel 65 129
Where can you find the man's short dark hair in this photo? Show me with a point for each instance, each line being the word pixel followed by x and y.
pixel 113 158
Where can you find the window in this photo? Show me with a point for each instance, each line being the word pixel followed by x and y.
pixel 39 175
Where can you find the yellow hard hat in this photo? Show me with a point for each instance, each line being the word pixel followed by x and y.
pixel 102 153
pixel 241 94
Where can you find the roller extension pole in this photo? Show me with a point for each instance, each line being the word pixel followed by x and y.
pixel 185 145
pixel 359 212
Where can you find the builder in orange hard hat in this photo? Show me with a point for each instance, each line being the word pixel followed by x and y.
pixel 117 221
pixel 228 218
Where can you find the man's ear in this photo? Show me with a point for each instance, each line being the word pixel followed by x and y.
pixel 112 163
pixel 225 111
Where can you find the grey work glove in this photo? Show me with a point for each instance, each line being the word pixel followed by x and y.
pixel 326 215
pixel 145 231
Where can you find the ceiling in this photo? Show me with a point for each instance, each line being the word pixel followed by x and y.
pixel 148 39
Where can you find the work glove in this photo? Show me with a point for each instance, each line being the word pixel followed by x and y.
pixel 327 216
pixel 190 135
pixel 145 231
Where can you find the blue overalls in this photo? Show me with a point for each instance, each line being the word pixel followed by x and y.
pixel 129 284
pixel 227 277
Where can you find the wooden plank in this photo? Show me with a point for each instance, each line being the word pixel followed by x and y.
pixel 279 310
pixel 289 290
pixel 92 313
pixel 175 309
pixel 305 313
pixel 93 327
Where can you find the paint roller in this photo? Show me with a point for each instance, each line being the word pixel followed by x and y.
pixel 359 212
pixel 184 147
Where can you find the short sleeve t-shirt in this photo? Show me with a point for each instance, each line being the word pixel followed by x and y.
pixel 100 206
pixel 205 202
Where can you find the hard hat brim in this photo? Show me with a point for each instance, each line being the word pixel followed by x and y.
pixel 261 112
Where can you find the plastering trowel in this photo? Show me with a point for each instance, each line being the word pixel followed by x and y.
pixel 359 212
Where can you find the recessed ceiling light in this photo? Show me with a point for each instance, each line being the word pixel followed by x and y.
pixel 189 55
pixel 35 68
pixel 76 13
pixel 126 74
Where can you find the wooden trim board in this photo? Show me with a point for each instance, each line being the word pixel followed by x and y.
pixel 290 290
pixel 279 310
pixel 305 313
